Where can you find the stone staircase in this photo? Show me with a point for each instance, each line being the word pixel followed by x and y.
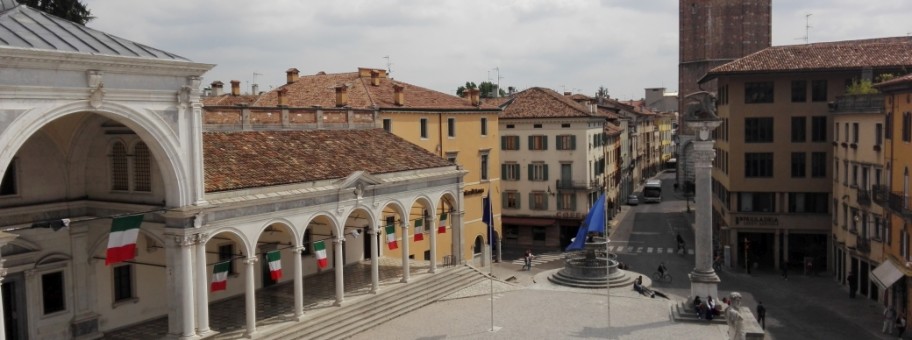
pixel 684 312
pixel 356 317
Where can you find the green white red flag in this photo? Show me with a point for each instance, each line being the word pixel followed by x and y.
pixel 391 237
pixel 122 240
pixel 320 250
pixel 220 276
pixel 443 220
pixel 419 225
pixel 275 264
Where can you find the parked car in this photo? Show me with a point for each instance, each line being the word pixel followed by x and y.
pixel 633 200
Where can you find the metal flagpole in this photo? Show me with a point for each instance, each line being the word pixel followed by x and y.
pixel 490 225
pixel 607 257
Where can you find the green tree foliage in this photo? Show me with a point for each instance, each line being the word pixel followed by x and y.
pixel 71 10
pixel 468 85
pixel 859 87
pixel 487 89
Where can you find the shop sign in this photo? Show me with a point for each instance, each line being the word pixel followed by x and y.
pixel 756 220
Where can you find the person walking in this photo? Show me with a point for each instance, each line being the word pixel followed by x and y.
pixel 889 315
pixel 853 283
pixel 761 314
pixel 681 248
pixel 900 325
pixel 527 259
pixel 785 269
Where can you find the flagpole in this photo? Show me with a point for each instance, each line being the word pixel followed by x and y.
pixel 607 257
pixel 490 226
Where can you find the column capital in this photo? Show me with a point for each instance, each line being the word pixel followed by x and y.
pixel 250 261
pixel 200 238
pixel 299 249
pixel 404 224
pixel 185 240
pixel 338 240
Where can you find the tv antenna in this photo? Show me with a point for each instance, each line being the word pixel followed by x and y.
pixel 255 75
pixel 807 27
pixel 388 64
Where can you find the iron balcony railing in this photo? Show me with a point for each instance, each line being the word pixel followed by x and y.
pixel 879 194
pixel 899 204
pixel 862 244
pixel 573 185
pixel 863 197
pixel 861 103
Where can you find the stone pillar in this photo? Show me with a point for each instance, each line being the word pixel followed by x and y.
pixel 339 266
pixel 85 321
pixel 181 320
pixel 375 261
pixel 432 225
pixel 202 289
pixel 250 295
pixel 458 241
pixel 405 249
pixel 298 283
pixel 5 238
pixel 703 279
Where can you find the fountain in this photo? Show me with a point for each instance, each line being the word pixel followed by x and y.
pixel 591 267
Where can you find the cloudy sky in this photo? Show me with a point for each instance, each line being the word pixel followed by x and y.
pixel 566 45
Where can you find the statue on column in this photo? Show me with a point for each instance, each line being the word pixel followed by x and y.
pixel 734 318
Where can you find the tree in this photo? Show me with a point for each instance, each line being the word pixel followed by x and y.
pixel 601 93
pixel 461 90
pixel 71 10
pixel 487 89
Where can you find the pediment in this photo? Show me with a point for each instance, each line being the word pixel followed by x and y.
pixel 359 179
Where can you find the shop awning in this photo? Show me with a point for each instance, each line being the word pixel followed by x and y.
pixel 886 274
pixel 528 221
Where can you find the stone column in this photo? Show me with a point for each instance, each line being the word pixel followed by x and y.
pixel 339 266
pixel 181 320
pixel 202 289
pixel 432 225
pixel 458 241
pixel 703 279
pixel 375 260
pixel 405 250
pixel 250 295
pixel 85 322
pixel 298 283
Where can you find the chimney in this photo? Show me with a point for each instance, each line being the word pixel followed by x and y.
pixel 375 78
pixel 217 88
pixel 291 75
pixel 568 93
pixel 255 89
pixel 235 87
pixel 398 95
pixel 474 96
pixel 341 95
pixel 283 98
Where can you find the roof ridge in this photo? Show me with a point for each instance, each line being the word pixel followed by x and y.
pixel 569 102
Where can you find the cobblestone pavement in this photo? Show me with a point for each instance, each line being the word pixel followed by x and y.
pixel 275 304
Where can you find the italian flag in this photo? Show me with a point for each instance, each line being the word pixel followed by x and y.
pixel 419 224
pixel 122 240
pixel 220 276
pixel 442 228
pixel 391 237
pixel 320 249
pixel 275 264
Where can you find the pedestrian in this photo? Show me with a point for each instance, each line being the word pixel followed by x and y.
pixel 680 243
pixel 785 270
pixel 889 315
pixel 900 325
pixel 527 260
pixel 761 314
pixel 853 284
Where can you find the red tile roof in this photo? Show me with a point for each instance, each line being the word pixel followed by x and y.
pixel 229 100
pixel 538 102
pixel 895 81
pixel 238 160
pixel 880 53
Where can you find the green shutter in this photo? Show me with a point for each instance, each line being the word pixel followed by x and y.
pixel 572 142
pixel 531 174
pixel 503 171
pixel 516 171
pixel 518 201
pixel 545 172
pixel 531 143
pixel 559 143
pixel 503 142
pixel 544 142
pixel 573 202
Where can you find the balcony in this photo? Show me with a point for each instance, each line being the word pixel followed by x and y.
pixel 574 185
pixel 863 197
pixel 863 103
pixel 879 194
pixel 899 204
pixel 862 244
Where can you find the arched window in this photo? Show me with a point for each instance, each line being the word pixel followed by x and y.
pixel 119 175
pixel 142 168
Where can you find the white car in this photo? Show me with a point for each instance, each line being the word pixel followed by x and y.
pixel 633 200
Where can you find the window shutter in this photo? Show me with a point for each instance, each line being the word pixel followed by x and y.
pixel 503 171
pixel 545 200
pixel 544 142
pixel 572 142
pixel 559 144
pixel 531 143
pixel 503 142
pixel 531 172
pixel 573 202
pixel 503 200
pixel 545 172
pixel 516 171
pixel 518 199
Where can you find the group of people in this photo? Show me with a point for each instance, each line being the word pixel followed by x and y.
pixel 894 321
pixel 640 288
pixel 708 309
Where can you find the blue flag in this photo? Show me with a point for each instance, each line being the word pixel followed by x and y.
pixel 594 222
pixel 488 216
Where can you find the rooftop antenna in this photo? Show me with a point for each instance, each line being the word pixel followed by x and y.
pixel 497 69
pixel 388 64
pixel 807 27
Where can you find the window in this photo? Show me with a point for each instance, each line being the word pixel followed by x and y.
pixel 538 200
pixel 878 134
pixel 836 132
pixel 451 157
pixel 226 253
pixel 566 142
pixel 758 92
pixel 511 200
pixel 538 234
pixel 119 176
pixel 904 243
pixel 846 139
pixel 142 168
pixel 758 130
pixel 819 129
pixel 511 126
pixel 808 202
pixel 907 127
pixel 566 201
pixel 854 133
pixel 52 297
pixel 878 227
pixel 799 164
pixel 509 142
pixel 799 91
pixel 8 185
pixel 123 282
pixel 538 171
pixel 484 165
pixel 799 129
pixel 388 125
pixel 510 172
pixel 758 164
pixel 484 126
pixel 818 165
pixel 565 125
pixel 536 126
pixel 757 201
pixel 819 90
pixel 451 127
pixel 538 143
pixel 424 128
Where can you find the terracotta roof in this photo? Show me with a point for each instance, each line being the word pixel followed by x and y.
pixel 840 55
pixel 612 129
pixel 229 100
pixel 580 97
pixel 238 160
pixel 895 81
pixel 320 89
pixel 540 102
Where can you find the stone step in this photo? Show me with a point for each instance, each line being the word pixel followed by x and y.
pixel 386 305
pixel 615 282
pixel 683 312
